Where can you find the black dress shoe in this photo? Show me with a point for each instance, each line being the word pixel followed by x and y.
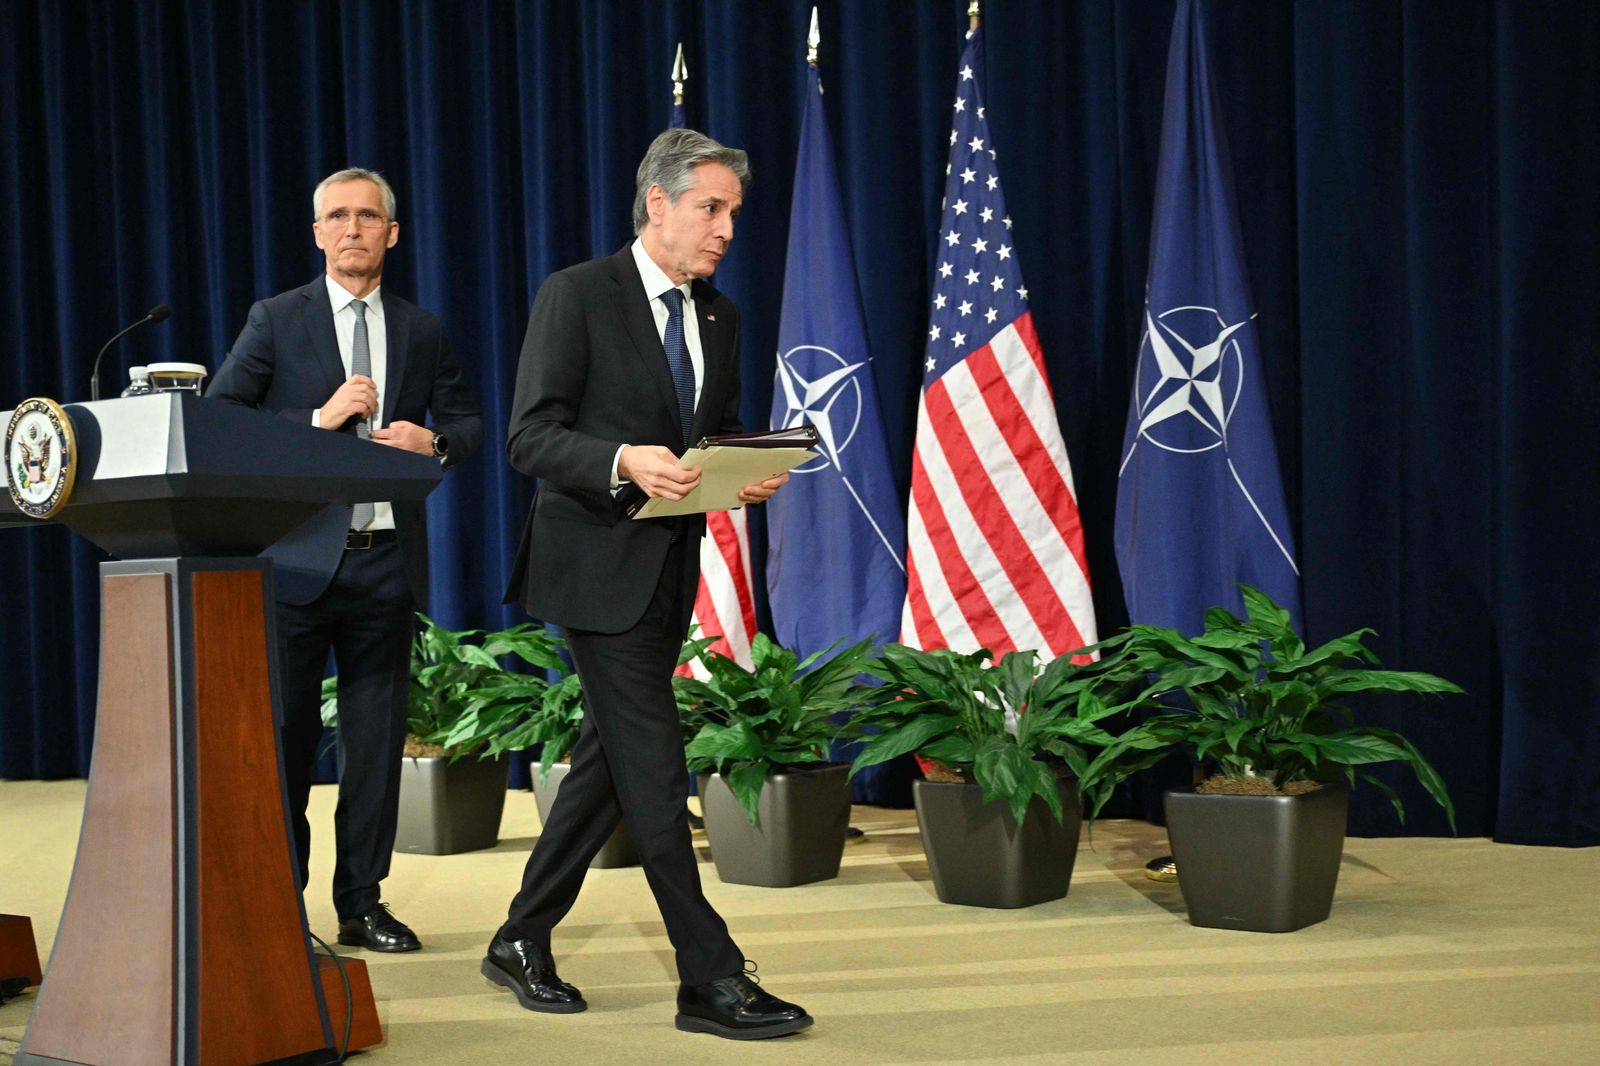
pixel 737 1008
pixel 530 973
pixel 377 930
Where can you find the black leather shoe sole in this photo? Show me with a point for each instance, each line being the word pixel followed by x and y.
pixel 690 1023
pixel 356 940
pixel 495 974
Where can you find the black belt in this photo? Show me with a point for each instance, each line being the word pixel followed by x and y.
pixel 354 541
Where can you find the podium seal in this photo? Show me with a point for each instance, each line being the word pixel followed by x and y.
pixel 41 454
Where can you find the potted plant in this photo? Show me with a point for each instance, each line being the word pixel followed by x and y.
pixel 449 803
pixel 776 811
pixel 1258 844
pixel 1002 829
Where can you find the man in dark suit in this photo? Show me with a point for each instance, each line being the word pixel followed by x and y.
pixel 627 360
pixel 342 354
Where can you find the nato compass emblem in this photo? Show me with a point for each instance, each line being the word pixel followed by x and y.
pixel 41 456
pixel 821 388
pixel 1187 385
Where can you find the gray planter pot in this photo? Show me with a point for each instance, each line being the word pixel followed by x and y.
pixel 980 858
pixel 1268 864
pixel 618 849
pixel 799 835
pixel 447 807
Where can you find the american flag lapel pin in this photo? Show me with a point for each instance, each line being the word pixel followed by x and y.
pixel 711 318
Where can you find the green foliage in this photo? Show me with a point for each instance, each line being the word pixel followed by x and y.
pixel 462 699
pixel 1002 725
pixel 746 724
pixel 1247 696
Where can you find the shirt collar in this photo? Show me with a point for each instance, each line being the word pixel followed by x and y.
pixel 340 297
pixel 655 279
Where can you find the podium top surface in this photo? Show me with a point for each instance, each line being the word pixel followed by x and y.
pixel 218 463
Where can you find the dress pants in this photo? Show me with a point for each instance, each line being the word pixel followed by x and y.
pixel 366 617
pixel 628 761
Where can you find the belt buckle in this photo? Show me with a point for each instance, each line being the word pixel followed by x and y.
pixel 358 541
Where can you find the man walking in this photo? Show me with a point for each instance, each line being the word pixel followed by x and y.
pixel 627 360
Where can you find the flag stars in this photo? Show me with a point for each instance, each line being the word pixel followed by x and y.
pixel 1004 251
pixel 944 270
pixel 980 112
pixel 933 333
pixel 953 138
pixel 960 209
pixel 931 364
pixel 987 214
pixel 966 307
pixel 980 245
pixel 961 103
pixel 1022 293
pixel 958 339
pixel 966 75
pixel 990 315
pixel 976 144
pixel 952 238
pixel 998 283
pixel 967 175
pixel 972 277
pixel 939 301
pixel 994 179
pixel 1007 221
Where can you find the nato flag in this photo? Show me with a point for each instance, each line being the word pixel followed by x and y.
pixel 835 562
pixel 1199 502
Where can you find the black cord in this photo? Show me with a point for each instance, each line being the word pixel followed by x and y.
pixel 349 999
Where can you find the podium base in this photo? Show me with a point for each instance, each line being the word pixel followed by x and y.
pixel 365 1031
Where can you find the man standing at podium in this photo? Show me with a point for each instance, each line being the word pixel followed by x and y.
pixel 627 360
pixel 343 355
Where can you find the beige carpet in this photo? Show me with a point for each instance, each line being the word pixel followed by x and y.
pixel 1438 951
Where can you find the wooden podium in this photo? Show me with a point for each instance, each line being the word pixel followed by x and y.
pixel 183 939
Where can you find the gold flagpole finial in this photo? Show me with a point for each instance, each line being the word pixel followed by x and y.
pixel 972 13
pixel 680 74
pixel 813 39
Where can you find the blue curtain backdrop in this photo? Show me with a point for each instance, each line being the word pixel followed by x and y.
pixel 1417 184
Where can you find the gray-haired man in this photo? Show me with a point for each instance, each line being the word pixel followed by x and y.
pixel 627 359
pixel 345 355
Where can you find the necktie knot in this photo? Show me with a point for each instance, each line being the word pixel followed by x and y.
pixel 673 298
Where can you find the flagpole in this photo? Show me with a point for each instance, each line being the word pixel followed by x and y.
pixel 972 14
pixel 680 74
pixel 813 39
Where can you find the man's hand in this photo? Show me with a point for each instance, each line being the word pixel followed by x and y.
pixel 407 435
pixel 356 398
pixel 655 470
pixel 762 491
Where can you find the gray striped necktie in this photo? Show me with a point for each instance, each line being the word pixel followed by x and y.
pixel 361 363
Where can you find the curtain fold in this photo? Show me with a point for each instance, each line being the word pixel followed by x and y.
pixel 1417 186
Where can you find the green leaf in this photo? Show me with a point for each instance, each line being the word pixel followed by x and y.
pixel 908 737
pixel 746 782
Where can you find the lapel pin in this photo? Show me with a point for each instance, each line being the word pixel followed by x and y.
pixel 711 318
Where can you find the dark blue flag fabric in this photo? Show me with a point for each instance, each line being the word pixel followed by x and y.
pixel 836 534
pixel 1200 505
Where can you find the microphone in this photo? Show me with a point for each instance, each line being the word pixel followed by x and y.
pixel 158 313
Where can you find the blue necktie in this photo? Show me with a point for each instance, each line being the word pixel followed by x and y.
pixel 678 359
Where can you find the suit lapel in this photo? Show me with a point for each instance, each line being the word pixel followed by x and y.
pixel 633 307
pixel 397 342
pixel 714 349
pixel 318 322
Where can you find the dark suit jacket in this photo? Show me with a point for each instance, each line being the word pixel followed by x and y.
pixel 593 376
pixel 286 360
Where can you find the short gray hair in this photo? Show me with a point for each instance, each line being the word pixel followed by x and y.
pixel 352 174
pixel 670 161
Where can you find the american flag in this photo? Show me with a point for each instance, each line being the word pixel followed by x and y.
pixel 724 605
pixel 994 546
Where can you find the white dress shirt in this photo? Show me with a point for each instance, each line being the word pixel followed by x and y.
pixel 655 283
pixel 344 330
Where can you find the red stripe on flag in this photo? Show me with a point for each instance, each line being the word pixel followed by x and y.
pixel 963 584
pixel 991 512
pixel 928 634
pixel 720 525
pixel 1034 458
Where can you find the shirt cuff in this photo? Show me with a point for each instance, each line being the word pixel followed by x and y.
pixel 616 479
pixel 316 417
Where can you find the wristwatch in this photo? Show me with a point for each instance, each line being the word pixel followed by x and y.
pixel 441 446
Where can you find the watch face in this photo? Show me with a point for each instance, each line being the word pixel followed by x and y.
pixel 440 446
